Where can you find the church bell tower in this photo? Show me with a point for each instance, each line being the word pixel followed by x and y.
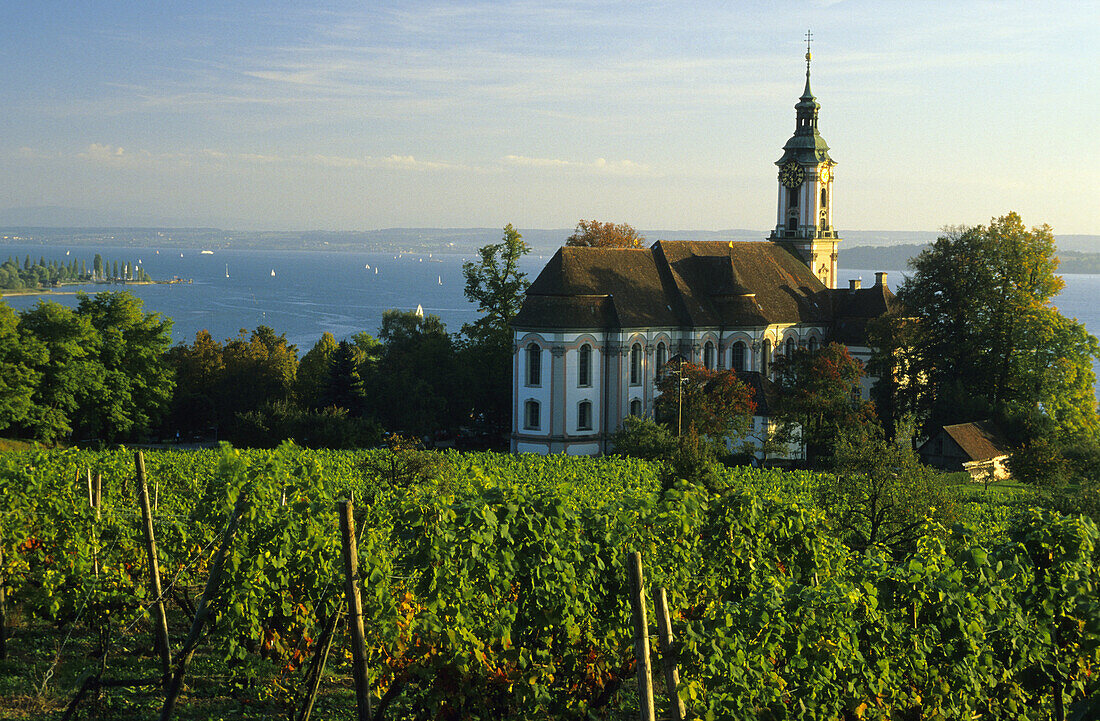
pixel 804 222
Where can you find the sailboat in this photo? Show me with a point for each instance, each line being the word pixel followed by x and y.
pixel 419 311
pixel 227 270
pixel 272 272
pixel 376 271
pixel 367 266
pixel 440 280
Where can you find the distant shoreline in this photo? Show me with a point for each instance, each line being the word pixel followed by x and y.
pixel 53 291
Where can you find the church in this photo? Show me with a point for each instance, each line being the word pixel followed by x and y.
pixel 598 324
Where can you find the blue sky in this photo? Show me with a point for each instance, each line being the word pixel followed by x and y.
pixel 304 115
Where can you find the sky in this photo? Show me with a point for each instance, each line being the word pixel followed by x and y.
pixel 305 115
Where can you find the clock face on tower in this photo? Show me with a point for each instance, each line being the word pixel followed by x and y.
pixel 791 174
pixel 823 174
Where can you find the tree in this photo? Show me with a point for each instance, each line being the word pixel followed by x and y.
pixel 817 395
pixel 987 340
pixel 345 387
pixel 259 369
pixel 18 377
pixel 412 390
pixel 496 284
pixel 70 375
pixel 594 234
pixel 315 372
pixel 199 369
pixel 137 381
pixel 710 403
pixel 882 495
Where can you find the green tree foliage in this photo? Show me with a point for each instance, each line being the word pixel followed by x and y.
pixel 818 395
pixel 70 376
pixel 987 339
pixel 315 372
pixel 260 368
pixel 881 494
pixel 484 351
pixel 345 388
pixel 594 234
pixel 19 358
pixel 411 391
pixel 495 282
pixel 137 382
pixel 199 369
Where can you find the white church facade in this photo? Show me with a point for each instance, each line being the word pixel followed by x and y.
pixel 598 324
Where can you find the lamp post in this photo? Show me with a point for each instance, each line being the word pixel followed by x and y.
pixel 680 379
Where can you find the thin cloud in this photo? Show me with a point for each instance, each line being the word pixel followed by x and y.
pixel 599 165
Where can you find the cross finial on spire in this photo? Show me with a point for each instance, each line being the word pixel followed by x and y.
pixel 809 39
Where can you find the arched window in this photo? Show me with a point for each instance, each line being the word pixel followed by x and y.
pixel 792 197
pixel 636 408
pixel 531 415
pixel 824 197
pixel 636 364
pixel 584 365
pixel 792 222
pixel 738 360
pixel 534 364
pixel 813 345
pixel 824 221
pixel 708 355
pixel 584 416
pixel 789 349
pixel 662 356
pixel 766 357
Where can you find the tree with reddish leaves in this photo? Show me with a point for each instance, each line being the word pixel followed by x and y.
pixel 819 393
pixel 699 401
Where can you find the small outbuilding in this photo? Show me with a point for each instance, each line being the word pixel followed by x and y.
pixel 979 448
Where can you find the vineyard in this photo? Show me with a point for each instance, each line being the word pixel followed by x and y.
pixel 495 587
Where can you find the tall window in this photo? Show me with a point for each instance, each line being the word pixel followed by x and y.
pixel 824 197
pixel 792 222
pixel 584 365
pixel 636 408
pixel 584 416
pixel 662 356
pixel 636 364
pixel 766 357
pixel 531 415
pixel 789 350
pixel 813 345
pixel 708 355
pixel 792 197
pixel 738 360
pixel 534 364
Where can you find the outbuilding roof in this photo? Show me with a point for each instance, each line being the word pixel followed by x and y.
pixel 981 440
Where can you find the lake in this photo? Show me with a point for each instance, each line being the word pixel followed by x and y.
pixel 306 293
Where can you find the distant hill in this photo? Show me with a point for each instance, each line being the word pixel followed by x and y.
pixel 860 249
pixel 897 258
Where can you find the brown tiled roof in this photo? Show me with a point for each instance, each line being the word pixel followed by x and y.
pixel 764 391
pixel 676 283
pixel 981 440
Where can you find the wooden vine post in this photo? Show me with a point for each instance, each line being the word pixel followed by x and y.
pixel 160 619
pixel 203 610
pixel 3 610
pixel 96 499
pixel 355 609
pixel 668 660
pixel 641 637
